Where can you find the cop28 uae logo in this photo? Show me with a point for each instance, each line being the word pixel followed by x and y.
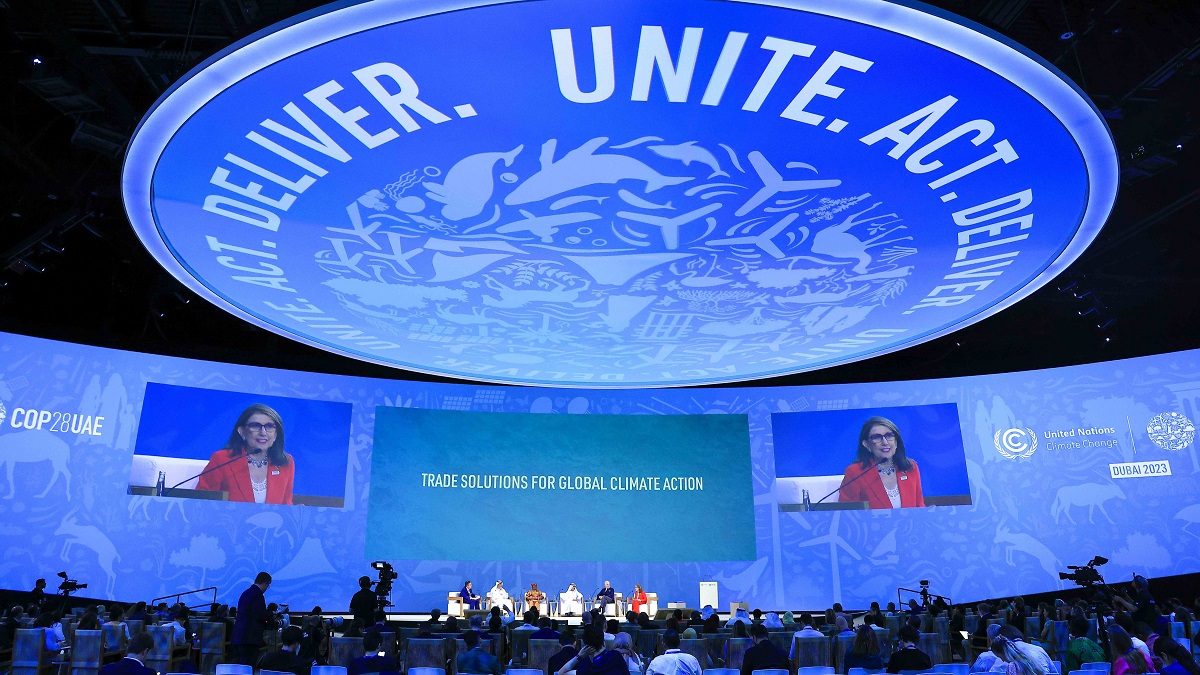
pixel 1171 431
pixel 618 193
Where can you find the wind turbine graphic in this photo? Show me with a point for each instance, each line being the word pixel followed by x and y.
pixel 834 540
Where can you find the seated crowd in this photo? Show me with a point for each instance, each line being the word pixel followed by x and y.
pixel 1132 635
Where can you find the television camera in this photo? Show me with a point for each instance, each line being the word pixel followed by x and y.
pixel 383 586
pixel 1085 576
pixel 69 586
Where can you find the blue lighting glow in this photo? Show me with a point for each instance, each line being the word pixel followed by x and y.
pixel 619 194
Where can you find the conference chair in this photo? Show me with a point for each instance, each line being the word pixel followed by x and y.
pixel 913 672
pixel 425 653
pixel 163 656
pixel 651 603
pixel 212 646
pixel 648 640
pixel 273 672
pixel 405 635
pixel 770 671
pixel 864 671
pixel 387 642
pixel 455 604
pixel 87 652
pixel 522 671
pixel 328 670
pixel 114 639
pixel 540 652
pixel 953 668
pixel 814 670
pixel 342 650
pixel 781 639
pixel 931 644
pixel 233 669
pixel 460 646
pixel 518 641
pixel 737 651
pixel 425 670
pixel 572 607
pixel 885 644
pixel 721 671
pixel 1099 665
pixel 811 651
pixel 841 643
pixel 697 647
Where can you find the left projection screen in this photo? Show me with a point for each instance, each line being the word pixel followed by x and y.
pixel 434 470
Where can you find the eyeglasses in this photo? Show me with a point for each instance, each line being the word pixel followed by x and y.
pixel 877 439
pixel 255 427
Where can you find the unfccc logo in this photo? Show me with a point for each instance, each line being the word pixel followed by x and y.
pixel 1016 443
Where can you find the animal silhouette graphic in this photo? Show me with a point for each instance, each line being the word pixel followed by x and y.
pixel 268 522
pixel 560 292
pixel 1019 541
pixel 90 537
pixel 1091 495
pixel 836 241
pixel 35 446
pixel 581 167
pixel 468 184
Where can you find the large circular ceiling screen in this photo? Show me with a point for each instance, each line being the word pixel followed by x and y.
pixel 619 193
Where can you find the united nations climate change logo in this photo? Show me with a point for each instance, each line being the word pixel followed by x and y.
pixel 1016 443
pixel 616 193
pixel 1171 431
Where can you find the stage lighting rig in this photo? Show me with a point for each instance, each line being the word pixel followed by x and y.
pixel 1085 576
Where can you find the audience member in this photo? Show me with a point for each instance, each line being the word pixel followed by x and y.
pixel 562 656
pixel 673 661
pixel 475 659
pixel 1081 649
pixel 53 630
pixel 806 631
pixel 764 654
pixel 1014 660
pixel 1175 658
pixel 695 619
pixel 739 616
pixel 134 662
pixel 771 620
pixel 907 656
pixel 1127 658
pixel 865 652
pixel 530 618
pixel 987 659
pixel 545 631
pixel 593 658
pixel 1031 651
pixel 712 624
pixel 373 659
pixel 841 626
pixel 285 659
pixel 623 645
pixel 138 613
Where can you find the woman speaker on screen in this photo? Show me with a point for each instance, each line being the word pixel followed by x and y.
pixel 882 474
pixel 266 474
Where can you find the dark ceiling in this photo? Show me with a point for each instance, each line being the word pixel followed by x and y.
pixel 72 269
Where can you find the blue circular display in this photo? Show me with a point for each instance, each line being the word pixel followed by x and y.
pixel 619 193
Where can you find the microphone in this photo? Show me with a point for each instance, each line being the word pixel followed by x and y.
pixel 247 456
pixel 839 487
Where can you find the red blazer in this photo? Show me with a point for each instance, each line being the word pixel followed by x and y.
pixel 234 478
pixel 639 600
pixel 870 489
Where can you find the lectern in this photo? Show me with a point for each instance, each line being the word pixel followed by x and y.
pixel 708 594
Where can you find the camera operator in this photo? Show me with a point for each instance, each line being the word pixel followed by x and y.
pixel 362 605
pixel 1141 604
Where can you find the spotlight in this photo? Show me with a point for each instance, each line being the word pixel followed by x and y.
pixel 1066 36
pixel 37 60
pixel 32 265
pixel 1179 146
pixel 52 247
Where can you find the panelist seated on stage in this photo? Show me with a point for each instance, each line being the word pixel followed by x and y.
pixel 570 602
pixel 638 600
pixel 469 597
pixel 534 598
pixel 498 597
pixel 605 597
pixel 266 474
pixel 882 474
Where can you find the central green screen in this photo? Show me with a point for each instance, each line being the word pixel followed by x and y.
pixel 450 485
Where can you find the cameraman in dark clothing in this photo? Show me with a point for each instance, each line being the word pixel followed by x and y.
pixel 362 605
